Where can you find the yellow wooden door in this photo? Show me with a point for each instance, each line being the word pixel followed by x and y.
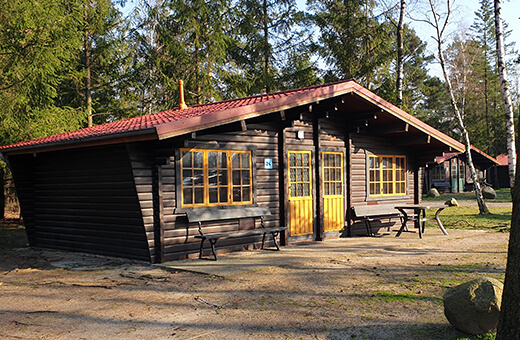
pixel 300 193
pixel 333 191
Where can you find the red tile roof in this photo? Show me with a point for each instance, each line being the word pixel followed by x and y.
pixel 176 122
pixel 150 123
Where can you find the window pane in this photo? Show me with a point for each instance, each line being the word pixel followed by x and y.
pixel 326 188
pixel 212 177
pixel 332 161
pixel 245 160
pixel 235 160
pixel 306 190
pixel 338 160
pixel 299 159
pixel 186 177
pixel 339 189
pixel 222 159
pixel 326 175
pixel 213 195
pixel 237 194
pixel 223 194
pixel 198 159
pixel 326 161
pixel 223 177
pixel 246 194
pixel 187 196
pixel 245 177
pixel 199 195
pixel 299 190
pixel 306 159
pixel 236 177
pixel 299 175
pixel 186 159
pixel 293 175
pixel 293 190
pixel 212 160
pixel 306 175
pixel 199 177
pixel 292 159
pixel 333 189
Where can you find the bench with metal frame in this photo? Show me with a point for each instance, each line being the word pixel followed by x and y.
pixel 375 213
pixel 200 216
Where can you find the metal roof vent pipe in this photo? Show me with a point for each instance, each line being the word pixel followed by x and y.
pixel 182 103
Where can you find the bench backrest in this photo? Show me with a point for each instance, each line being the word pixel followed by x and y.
pixel 215 214
pixel 375 210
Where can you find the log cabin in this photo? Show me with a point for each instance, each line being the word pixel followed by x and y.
pixel 308 155
pixel 450 172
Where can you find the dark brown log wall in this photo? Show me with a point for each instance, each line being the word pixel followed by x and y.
pixel 81 200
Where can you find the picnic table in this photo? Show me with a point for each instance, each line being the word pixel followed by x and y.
pixel 417 213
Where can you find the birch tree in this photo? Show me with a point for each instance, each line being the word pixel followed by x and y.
pixel 439 21
pixel 506 93
pixel 400 53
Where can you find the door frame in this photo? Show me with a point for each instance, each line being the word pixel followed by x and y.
pixel 286 150
pixel 346 188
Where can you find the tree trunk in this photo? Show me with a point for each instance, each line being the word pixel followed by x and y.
pixel 2 193
pixel 87 48
pixel 506 93
pixel 508 328
pixel 400 55
pixel 267 51
pixel 469 160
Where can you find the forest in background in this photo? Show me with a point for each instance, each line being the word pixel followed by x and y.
pixel 67 64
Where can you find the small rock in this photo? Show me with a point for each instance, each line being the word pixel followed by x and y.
pixel 433 193
pixel 474 307
pixel 452 203
pixel 489 193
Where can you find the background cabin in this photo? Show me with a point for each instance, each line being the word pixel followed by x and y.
pixel 449 173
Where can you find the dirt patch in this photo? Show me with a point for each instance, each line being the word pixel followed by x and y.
pixel 394 292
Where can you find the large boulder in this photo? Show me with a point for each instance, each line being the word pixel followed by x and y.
pixel 433 193
pixel 473 307
pixel 489 193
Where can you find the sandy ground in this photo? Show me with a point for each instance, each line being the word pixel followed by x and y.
pixel 391 290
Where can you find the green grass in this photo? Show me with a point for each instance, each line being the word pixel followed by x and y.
pixel 469 218
pixel 503 196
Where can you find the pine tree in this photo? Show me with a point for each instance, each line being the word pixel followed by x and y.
pixel 38 41
pixel 352 42
pixel 267 35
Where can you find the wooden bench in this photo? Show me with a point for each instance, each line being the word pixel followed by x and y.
pixel 442 186
pixel 208 215
pixel 375 213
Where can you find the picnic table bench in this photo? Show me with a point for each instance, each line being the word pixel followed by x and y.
pixel 375 213
pixel 201 216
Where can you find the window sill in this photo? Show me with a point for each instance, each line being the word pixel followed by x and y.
pixel 387 198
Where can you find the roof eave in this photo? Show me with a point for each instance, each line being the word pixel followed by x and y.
pixel 125 137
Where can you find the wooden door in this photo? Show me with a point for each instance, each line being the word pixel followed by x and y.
pixel 333 191
pixel 300 193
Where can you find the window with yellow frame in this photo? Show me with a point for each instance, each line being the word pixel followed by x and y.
pixel 215 177
pixel 387 175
